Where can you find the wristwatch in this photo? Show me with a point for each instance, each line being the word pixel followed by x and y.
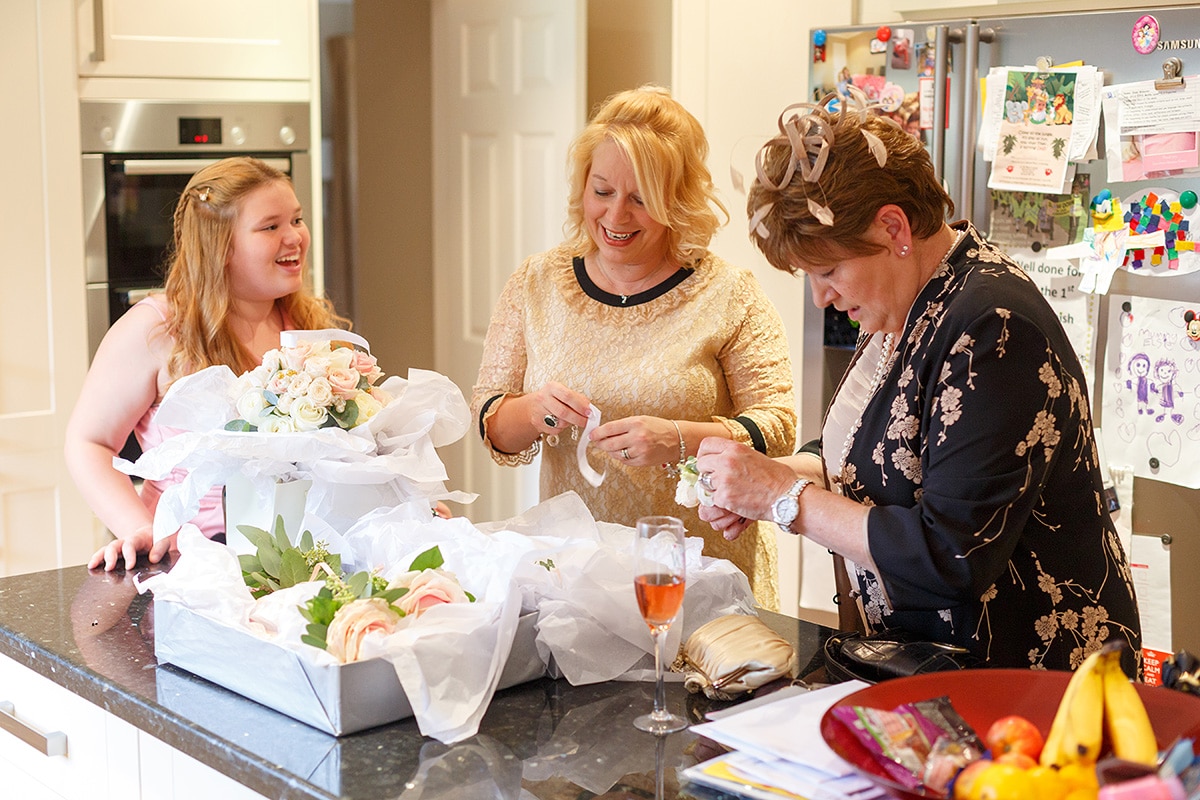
pixel 785 510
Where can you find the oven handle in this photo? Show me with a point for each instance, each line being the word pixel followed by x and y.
pixel 186 166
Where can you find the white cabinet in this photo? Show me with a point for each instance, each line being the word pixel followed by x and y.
pixel 100 750
pixel 239 39
pixel 105 757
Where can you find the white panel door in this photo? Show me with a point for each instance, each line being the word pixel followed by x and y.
pixel 509 89
pixel 44 522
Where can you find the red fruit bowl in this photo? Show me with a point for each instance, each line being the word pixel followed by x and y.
pixel 982 696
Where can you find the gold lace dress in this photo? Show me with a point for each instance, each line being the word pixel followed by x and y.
pixel 711 347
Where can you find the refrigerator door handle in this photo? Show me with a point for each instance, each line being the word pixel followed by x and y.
pixel 972 36
pixel 937 139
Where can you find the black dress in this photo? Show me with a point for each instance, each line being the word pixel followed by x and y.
pixel 989 529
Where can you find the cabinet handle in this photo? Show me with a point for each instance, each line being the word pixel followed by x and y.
pixel 50 744
pixel 97 30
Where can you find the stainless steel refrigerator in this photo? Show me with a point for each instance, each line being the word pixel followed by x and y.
pixel 909 63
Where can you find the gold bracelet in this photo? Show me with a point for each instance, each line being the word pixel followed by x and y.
pixel 682 445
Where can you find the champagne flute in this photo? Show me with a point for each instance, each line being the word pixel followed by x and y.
pixel 658 581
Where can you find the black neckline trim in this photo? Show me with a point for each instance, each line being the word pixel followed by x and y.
pixel 600 296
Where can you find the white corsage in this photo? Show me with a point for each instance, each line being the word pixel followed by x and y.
pixel 691 491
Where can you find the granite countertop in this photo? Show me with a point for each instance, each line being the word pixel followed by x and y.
pixel 92 633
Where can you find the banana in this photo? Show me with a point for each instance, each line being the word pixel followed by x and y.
pixel 1125 715
pixel 1078 727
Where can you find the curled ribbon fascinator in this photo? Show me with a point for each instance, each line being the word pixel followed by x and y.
pixel 808 129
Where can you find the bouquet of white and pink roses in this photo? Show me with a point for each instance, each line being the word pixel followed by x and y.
pixel 308 386
pixel 318 415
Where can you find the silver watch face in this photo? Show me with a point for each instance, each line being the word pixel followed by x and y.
pixel 785 510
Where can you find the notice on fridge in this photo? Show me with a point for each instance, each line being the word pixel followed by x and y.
pixel 1151 394
pixel 1150 565
pixel 1034 136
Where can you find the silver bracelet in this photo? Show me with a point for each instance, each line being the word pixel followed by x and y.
pixel 682 445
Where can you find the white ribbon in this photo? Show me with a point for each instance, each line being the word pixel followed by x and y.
pixel 585 469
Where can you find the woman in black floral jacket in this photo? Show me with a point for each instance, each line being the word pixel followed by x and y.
pixel 957 473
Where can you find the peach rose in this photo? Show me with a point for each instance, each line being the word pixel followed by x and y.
pixel 428 588
pixel 344 382
pixel 353 622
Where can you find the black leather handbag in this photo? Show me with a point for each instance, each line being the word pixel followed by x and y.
pixel 891 653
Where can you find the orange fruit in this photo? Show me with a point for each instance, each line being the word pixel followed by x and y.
pixel 1004 782
pixel 1080 776
pixel 964 784
pixel 1047 783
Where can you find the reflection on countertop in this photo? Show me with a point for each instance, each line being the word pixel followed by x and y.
pixel 93 633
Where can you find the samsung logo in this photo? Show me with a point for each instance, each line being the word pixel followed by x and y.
pixel 1179 44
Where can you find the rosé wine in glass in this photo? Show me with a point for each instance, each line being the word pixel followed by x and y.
pixel 658 582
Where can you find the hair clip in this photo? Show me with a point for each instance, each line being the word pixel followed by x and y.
pixel 202 193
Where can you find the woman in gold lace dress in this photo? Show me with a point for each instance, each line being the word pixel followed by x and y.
pixel 634 317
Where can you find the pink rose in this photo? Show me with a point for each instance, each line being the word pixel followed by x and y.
pixel 295 356
pixel 344 382
pixel 353 622
pixel 428 588
pixel 366 365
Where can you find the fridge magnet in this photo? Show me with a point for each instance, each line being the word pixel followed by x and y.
pixel 1191 321
pixel 1160 211
pixel 1151 404
pixel 902 47
pixel 819 38
pixel 1145 34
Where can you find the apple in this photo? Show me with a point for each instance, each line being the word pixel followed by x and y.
pixel 1014 734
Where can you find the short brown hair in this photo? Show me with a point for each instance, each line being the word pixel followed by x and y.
pixel 667 147
pixel 851 185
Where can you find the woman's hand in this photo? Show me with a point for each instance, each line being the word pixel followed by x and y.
pixel 744 484
pixel 640 441
pixel 557 404
pixel 140 541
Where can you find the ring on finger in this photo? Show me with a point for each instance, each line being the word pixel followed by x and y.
pixel 625 453
pixel 550 420
pixel 706 480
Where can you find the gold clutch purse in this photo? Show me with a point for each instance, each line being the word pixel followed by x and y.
pixel 732 655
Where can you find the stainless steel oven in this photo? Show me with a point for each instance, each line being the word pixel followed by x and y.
pixel 138 156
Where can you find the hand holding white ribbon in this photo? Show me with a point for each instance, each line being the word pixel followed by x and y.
pixel 585 469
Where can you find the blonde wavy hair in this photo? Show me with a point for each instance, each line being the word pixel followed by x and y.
pixel 197 284
pixel 667 147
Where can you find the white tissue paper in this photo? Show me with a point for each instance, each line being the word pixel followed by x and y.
pixel 554 593
pixel 388 460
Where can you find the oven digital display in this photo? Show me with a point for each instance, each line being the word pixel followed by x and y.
pixel 199 130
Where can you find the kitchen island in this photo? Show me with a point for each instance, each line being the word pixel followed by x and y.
pixel 92 634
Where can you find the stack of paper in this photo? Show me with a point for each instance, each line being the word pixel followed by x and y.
pixel 779 751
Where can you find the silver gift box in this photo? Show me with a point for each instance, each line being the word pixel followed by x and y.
pixel 336 698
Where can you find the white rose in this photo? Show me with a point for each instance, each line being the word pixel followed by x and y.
pixel 320 392
pixel 685 494
pixel 353 622
pixel 306 416
pixel 272 361
pixel 251 404
pixel 342 358
pixel 368 407
pixel 317 365
pixel 428 588
pixel 278 382
pixel 298 385
pixel 273 423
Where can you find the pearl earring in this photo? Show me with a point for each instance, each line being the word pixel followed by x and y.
pixel 903 250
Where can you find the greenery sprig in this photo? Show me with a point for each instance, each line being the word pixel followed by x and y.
pixel 278 563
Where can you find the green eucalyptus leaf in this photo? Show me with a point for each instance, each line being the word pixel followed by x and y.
pixel 272 560
pixel 392 595
pixel 348 417
pixel 430 559
pixel 358 583
pixel 256 536
pixel 306 541
pixel 280 534
pixel 293 568
pixel 239 425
